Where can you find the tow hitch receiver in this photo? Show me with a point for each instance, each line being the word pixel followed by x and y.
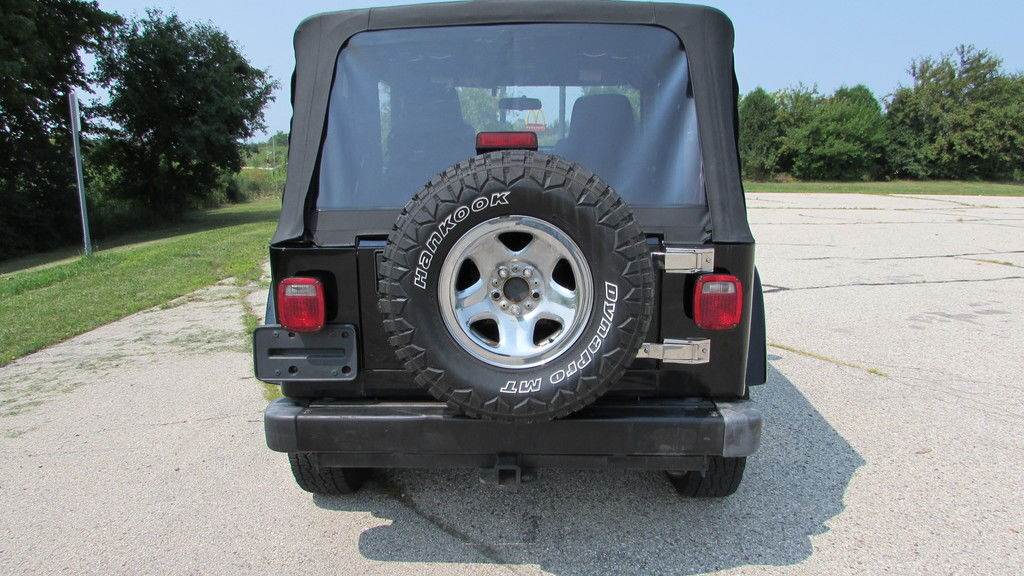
pixel 506 472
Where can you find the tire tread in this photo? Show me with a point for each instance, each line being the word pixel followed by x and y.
pixel 722 478
pixel 551 173
pixel 324 481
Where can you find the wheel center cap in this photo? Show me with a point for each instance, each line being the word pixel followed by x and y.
pixel 516 289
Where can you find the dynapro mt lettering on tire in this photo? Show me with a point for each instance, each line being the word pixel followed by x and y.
pixel 516 286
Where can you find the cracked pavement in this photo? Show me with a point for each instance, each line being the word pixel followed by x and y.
pixel 892 440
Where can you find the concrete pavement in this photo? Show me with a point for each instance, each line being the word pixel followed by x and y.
pixel 892 443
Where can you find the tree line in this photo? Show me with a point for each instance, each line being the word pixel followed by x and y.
pixel 171 103
pixel 961 118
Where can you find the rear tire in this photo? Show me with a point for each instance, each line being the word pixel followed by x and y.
pixel 721 479
pixel 325 481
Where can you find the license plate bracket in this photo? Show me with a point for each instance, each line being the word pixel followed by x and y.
pixel 327 355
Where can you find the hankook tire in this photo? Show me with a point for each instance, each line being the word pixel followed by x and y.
pixel 516 286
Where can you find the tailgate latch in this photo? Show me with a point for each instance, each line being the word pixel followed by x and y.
pixel 676 260
pixel 688 351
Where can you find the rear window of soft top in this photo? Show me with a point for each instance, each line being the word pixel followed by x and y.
pixel 408 103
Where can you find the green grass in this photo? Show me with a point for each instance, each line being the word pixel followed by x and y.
pixel 937 187
pixel 59 298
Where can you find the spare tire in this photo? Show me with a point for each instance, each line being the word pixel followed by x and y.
pixel 516 286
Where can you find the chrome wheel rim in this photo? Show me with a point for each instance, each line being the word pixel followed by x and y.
pixel 528 299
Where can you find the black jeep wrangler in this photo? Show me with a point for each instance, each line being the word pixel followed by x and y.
pixel 573 285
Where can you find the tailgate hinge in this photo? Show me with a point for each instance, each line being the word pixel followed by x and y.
pixel 685 260
pixel 688 351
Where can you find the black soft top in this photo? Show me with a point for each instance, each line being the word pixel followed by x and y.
pixel 705 33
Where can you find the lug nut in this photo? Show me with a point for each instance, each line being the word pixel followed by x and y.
pixel 515 309
pixel 503 272
pixel 527 272
pixel 495 294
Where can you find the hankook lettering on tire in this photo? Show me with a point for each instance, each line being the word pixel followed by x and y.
pixel 445 226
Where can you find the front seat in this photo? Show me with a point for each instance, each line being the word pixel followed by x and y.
pixel 428 134
pixel 600 134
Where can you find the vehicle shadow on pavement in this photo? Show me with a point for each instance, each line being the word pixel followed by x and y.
pixel 622 522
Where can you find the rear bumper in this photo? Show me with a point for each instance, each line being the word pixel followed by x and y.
pixel 653 434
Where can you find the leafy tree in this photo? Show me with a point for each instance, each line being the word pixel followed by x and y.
pixel 963 117
pixel 182 96
pixel 840 137
pixel 41 42
pixel 279 139
pixel 760 132
pixel 796 106
pixel 480 109
pixel 907 150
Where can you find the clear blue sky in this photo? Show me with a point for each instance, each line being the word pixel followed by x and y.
pixel 778 44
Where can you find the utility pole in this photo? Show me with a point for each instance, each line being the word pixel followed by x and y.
pixel 76 127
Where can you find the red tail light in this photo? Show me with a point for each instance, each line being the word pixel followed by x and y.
pixel 491 141
pixel 718 301
pixel 300 304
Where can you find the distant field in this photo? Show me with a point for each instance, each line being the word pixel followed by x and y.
pixel 61 296
pixel 943 187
